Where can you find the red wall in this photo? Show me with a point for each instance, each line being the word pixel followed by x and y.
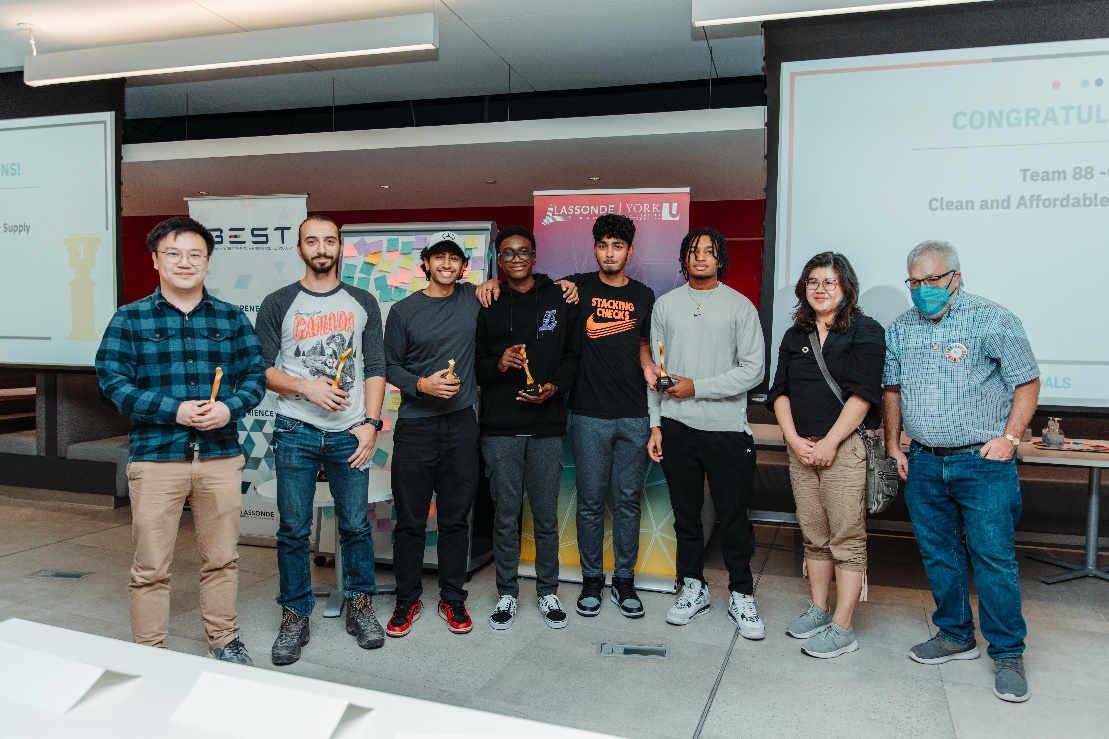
pixel 741 222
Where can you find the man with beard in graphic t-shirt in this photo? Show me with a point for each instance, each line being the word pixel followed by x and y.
pixel 610 421
pixel 322 344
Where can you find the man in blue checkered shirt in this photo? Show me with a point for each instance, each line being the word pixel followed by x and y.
pixel 961 378
pixel 157 364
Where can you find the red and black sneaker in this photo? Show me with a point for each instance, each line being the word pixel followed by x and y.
pixel 403 617
pixel 454 613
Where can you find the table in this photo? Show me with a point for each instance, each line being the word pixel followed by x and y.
pixel 1094 462
pixel 141 707
pixel 380 490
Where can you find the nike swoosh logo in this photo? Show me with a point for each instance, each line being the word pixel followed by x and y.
pixel 595 329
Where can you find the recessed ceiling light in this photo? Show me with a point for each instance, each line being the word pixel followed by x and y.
pixel 201 192
pixel 384 187
pixel 594 178
pixel 490 182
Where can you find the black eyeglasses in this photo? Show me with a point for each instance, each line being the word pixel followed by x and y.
pixel 933 281
pixel 523 255
pixel 172 255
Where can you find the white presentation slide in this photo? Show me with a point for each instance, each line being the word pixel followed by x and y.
pixel 57 238
pixel 1003 152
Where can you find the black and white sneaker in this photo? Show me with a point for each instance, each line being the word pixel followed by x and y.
pixel 502 615
pixel 552 611
pixel 623 595
pixel 589 602
pixel 692 602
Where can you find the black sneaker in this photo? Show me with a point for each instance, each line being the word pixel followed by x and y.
pixel 589 602
pixel 552 611
pixel 362 622
pixel 502 615
pixel 623 595
pixel 292 636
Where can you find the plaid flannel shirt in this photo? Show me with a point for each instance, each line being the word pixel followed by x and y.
pixel 153 357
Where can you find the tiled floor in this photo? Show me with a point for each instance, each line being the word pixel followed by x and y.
pixel 713 684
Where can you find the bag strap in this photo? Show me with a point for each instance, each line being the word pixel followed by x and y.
pixel 814 341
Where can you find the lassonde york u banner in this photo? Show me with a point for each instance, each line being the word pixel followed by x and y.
pixel 255 254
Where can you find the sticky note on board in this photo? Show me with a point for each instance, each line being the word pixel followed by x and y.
pixel 400 293
pixel 373 258
pixel 400 277
pixel 474 278
pixel 381 282
pixel 392 243
pixel 360 245
pixel 380 458
pixel 406 247
pixel 364 283
pixel 350 251
pixel 421 242
pixel 392 389
pixel 469 253
pixel 477 263
pixel 386 424
pixel 418 283
pixel 385 296
pixel 407 261
pixel 385 265
pixel 472 242
pixel 366 268
pixel 374 246
pixel 349 271
pixel 393 403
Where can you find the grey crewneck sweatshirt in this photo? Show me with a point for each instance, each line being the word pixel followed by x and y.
pixel 721 350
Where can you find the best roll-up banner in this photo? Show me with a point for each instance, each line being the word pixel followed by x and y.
pixel 564 236
pixel 256 237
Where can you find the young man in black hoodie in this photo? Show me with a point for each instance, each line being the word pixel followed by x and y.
pixel 531 329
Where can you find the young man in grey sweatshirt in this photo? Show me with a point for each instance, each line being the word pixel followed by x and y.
pixel 714 352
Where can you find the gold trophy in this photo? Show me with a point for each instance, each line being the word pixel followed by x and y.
pixel 450 370
pixel 339 369
pixel 532 388
pixel 665 381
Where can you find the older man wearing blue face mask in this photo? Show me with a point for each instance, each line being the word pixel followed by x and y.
pixel 961 377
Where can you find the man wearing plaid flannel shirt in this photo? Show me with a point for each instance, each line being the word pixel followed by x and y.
pixel 961 377
pixel 157 363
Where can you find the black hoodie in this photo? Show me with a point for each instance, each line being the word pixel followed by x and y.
pixel 548 326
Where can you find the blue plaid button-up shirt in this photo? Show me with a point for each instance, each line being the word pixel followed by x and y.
pixel 153 357
pixel 957 376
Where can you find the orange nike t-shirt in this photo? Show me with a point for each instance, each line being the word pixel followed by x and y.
pixel 610 380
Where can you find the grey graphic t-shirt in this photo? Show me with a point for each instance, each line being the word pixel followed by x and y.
pixel 304 334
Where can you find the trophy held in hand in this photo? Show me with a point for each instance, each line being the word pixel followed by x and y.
pixel 532 388
pixel 665 381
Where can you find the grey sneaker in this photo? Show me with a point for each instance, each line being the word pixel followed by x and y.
pixel 692 602
pixel 362 622
pixel 235 652
pixel 938 650
pixel 553 612
pixel 810 623
pixel 623 595
pixel 292 636
pixel 501 617
pixel 589 602
pixel 1009 683
pixel 831 641
pixel 744 614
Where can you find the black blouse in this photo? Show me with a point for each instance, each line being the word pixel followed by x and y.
pixel 855 359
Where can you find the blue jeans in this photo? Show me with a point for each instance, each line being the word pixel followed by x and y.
pixel 943 495
pixel 299 450
pixel 609 453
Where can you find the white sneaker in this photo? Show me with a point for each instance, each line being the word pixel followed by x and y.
pixel 742 611
pixel 502 615
pixel 553 612
pixel 692 602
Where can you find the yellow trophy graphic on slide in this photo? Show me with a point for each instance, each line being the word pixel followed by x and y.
pixel 82 260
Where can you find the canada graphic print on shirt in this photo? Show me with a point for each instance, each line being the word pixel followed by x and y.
pixel 321 339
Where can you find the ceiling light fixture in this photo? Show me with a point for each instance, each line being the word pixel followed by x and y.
pixel 250 48
pixel 384 187
pixel 724 12
pixel 594 178
pixel 201 192
pixel 490 182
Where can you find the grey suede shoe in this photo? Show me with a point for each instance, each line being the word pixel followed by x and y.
pixel 831 641
pixel 938 650
pixel 1009 683
pixel 233 651
pixel 810 623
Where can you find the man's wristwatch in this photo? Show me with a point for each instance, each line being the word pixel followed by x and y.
pixel 1014 440
pixel 377 423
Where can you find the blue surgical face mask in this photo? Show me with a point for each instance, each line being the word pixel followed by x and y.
pixel 931 300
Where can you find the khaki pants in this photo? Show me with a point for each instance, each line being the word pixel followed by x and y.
pixel 831 505
pixel 158 494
